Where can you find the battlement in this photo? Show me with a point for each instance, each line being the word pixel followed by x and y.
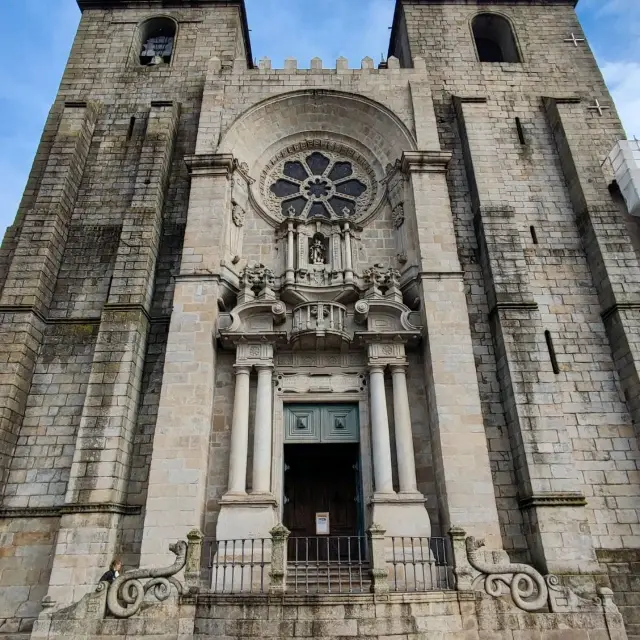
pixel 367 65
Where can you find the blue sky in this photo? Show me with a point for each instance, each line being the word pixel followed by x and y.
pixel 38 40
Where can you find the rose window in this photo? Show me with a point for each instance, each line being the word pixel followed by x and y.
pixel 319 184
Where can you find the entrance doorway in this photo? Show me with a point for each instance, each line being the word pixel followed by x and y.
pixel 322 505
pixel 323 479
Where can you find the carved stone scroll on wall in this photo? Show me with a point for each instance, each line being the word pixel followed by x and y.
pixel 491 571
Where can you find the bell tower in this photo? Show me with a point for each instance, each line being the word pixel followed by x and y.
pixel 87 290
pixel 519 98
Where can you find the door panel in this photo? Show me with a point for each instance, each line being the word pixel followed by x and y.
pixel 339 424
pixel 302 423
pixel 321 423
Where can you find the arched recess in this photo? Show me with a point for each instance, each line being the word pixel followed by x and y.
pixel 376 136
pixel 494 38
pixel 155 41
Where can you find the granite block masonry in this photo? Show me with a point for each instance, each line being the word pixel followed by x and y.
pixel 258 308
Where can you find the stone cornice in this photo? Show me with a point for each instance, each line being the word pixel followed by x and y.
pixel 66 509
pixel 425 161
pixel 210 164
pixel 81 321
pixel 513 306
pixel 126 308
pixel 553 499
pixel 621 306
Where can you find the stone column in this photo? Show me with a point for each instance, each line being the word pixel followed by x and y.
pixel 291 250
pixel 404 513
pixel 263 430
pixel 381 443
pixel 403 430
pixel 348 258
pixel 239 433
pixel 250 515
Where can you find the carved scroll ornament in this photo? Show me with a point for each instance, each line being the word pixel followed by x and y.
pixel 126 593
pixel 527 586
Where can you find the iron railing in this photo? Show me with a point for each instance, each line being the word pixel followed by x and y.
pixel 240 566
pixel 328 564
pixel 418 564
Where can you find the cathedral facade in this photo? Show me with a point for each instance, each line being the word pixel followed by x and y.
pixel 323 352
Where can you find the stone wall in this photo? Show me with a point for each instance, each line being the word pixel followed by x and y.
pixel 623 566
pixel 102 74
pixel 447 616
pixel 588 388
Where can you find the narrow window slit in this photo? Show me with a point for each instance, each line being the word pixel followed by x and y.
pixel 523 140
pixel 534 235
pixel 132 124
pixel 552 352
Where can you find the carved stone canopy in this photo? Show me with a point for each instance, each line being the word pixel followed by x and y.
pixel 320 325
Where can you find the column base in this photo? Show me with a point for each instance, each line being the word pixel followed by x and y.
pixel 246 516
pixel 401 514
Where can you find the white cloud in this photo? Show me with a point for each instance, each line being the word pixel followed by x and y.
pixel 623 79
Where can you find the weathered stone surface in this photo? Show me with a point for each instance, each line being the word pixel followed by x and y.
pixel 148 199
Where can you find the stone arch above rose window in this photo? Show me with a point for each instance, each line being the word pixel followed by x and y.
pixel 317 155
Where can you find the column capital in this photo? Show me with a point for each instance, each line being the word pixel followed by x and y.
pixel 254 354
pixel 376 367
pixel 386 353
pixel 242 368
pixel 264 366
pixel 399 366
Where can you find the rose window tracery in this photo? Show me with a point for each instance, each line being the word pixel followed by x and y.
pixel 322 184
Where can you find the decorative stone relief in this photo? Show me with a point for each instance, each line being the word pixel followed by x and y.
pixel 320 359
pixel 256 279
pixel 238 215
pixel 398 216
pixel 307 383
pixel 396 182
pixel 398 225
pixel 386 353
pixel 380 278
pixel 239 208
pixel 252 354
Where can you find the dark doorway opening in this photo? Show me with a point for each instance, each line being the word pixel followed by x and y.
pixel 323 478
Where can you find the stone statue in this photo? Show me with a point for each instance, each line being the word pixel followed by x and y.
pixel 318 252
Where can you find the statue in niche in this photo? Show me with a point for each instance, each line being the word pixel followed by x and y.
pixel 318 252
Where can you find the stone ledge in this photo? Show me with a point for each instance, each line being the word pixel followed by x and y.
pixel 55 512
pixel 553 499
pixel 338 598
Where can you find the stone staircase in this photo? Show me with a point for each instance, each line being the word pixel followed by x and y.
pixel 323 579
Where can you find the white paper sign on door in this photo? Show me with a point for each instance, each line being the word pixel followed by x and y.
pixel 322 524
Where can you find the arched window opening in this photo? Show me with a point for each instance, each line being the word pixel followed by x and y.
pixel 494 38
pixel 157 39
